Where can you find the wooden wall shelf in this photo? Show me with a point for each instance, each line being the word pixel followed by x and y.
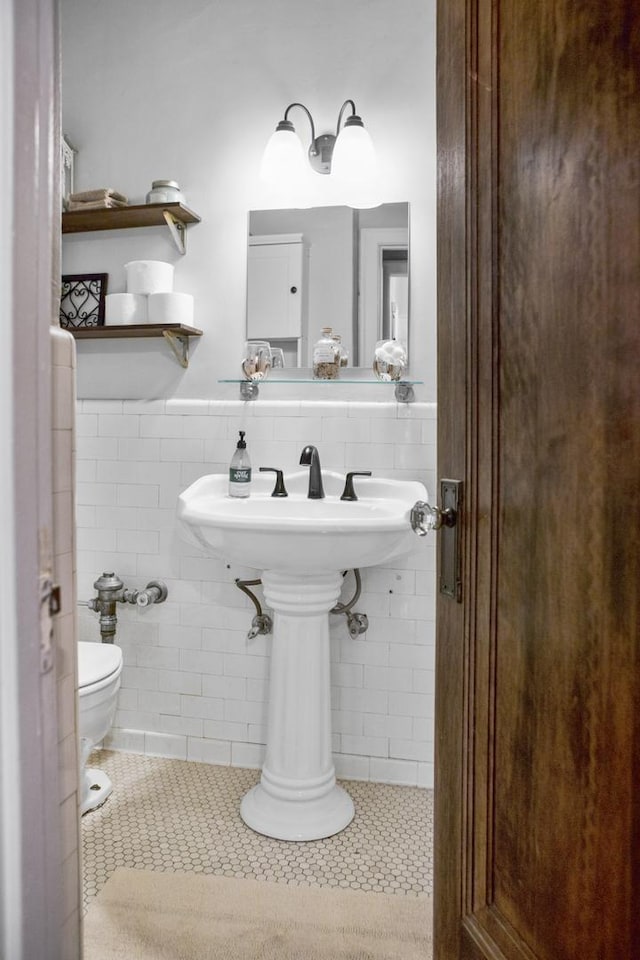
pixel 116 332
pixel 175 215
pixel 122 218
pixel 176 334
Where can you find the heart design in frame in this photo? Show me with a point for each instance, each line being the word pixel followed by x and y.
pixel 82 299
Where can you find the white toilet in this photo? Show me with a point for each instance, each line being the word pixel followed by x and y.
pixel 99 670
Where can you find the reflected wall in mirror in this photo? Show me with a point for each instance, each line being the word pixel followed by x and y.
pixel 328 267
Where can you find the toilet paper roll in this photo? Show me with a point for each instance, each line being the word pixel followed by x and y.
pixel 171 308
pixel 124 308
pixel 149 276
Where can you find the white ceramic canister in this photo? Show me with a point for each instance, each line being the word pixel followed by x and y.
pixel 149 276
pixel 165 191
pixel 125 308
pixel 171 308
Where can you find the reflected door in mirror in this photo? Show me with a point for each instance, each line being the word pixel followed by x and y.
pixel 275 292
pixel 384 287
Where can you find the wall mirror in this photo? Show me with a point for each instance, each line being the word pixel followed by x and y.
pixel 328 266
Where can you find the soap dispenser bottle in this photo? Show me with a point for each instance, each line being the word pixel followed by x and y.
pixel 240 470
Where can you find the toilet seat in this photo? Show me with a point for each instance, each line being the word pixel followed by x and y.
pixel 98 664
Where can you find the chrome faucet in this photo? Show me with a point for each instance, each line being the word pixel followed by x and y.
pixel 310 458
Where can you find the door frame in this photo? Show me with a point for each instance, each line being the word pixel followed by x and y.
pixel 373 242
pixel 31 897
pixel 466 354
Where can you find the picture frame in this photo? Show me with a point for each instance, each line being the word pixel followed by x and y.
pixel 82 300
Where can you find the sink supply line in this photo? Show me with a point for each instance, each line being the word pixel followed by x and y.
pixel 111 590
pixel 357 623
pixel 262 622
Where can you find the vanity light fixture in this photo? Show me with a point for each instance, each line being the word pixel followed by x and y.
pixel 348 155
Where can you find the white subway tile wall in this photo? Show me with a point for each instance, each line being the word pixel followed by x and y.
pixel 193 686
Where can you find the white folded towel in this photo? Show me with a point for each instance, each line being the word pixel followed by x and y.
pixel 107 204
pixel 102 193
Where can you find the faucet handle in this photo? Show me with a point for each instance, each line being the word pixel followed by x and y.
pixel 349 493
pixel 278 490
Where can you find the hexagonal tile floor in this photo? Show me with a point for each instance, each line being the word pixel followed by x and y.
pixel 174 815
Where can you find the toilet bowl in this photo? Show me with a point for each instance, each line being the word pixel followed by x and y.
pixel 99 670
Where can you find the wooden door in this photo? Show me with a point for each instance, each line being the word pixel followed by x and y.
pixel 538 693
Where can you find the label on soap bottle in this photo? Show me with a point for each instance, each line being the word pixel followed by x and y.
pixel 240 475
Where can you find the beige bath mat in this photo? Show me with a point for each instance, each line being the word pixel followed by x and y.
pixel 140 915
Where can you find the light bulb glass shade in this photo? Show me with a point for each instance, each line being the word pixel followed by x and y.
pixel 354 156
pixel 283 160
pixel 354 166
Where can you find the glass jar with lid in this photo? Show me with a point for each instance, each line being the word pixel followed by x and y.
pixel 342 352
pixel 326 356
pixel 165 191
pixel 389 360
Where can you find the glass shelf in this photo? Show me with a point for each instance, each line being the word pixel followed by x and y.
pixel 249 390
pixel 338 380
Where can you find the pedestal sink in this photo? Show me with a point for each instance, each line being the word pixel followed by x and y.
pixel 301 546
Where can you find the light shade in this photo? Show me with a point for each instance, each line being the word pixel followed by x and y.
pixel 354 165
pixel 283 160
pixel 354 156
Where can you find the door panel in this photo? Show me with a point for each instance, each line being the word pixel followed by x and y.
pixel 274 290
pixel 538 694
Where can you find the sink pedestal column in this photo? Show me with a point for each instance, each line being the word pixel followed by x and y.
pixel 297 797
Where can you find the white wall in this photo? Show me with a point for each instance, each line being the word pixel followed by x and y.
pixel 192 90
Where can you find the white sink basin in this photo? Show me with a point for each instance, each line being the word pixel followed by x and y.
pixel 301 546
pixel 298 534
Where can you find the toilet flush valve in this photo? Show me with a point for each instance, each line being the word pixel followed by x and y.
pixel 154 592
pixel 111 591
